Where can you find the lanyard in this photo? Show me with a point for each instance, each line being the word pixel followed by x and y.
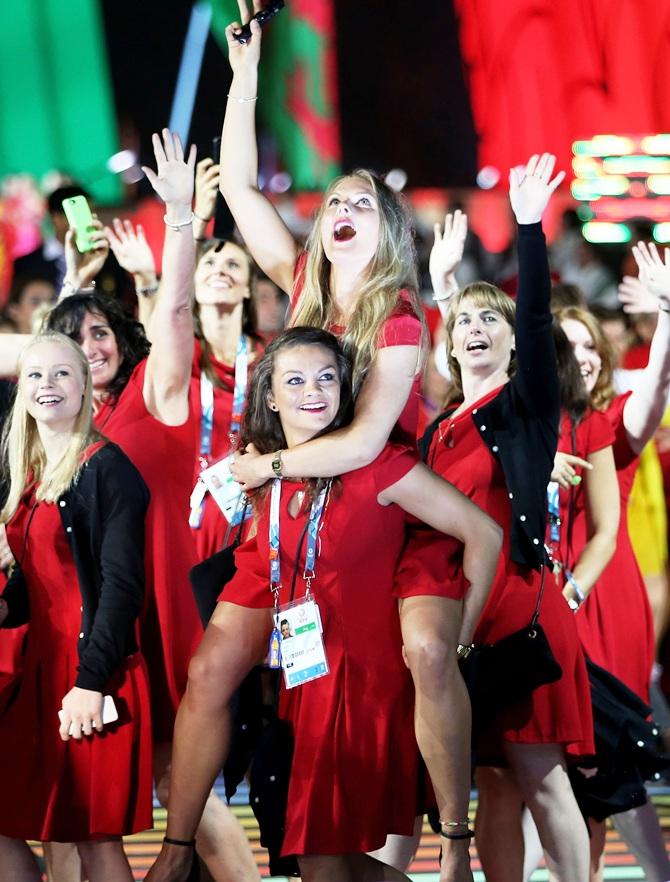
pixel 207 401
pixel 315 514
pixel 553 506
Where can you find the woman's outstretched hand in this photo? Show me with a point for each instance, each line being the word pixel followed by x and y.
pixel 81 267
pixel 654 272
pixel 447 253
pixel 530 189
pixel 244 55
pixel 635 297
pixel 174 176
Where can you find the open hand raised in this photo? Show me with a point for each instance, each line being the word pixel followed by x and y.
pixel 531 189
pixel 173 179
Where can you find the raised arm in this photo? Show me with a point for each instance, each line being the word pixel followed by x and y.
pixel 445 255
pixel 602 508
pixel 168 372
pixel 263 231
pixel 536 375
pixel 645 407
pixel 434 501
pixel 81 268
pixel 381 401
pixel 132 251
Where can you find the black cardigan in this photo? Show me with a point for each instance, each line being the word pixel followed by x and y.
pixel 103 518
pixel 520 425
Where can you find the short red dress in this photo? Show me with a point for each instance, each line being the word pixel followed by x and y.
pixel 402 328
pixel 170 627
pixel 67 791
pixel 354 774
pixel 615 622
pixel 557 713
pixel 209 537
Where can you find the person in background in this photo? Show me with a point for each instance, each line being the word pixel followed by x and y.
pixel 27 294
pixel 615 622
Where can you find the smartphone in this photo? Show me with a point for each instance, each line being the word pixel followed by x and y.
pixel 109 712
pixel 224 222
pixel 78 214
pixel 262 17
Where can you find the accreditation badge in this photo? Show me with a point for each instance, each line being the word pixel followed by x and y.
pixel 303 655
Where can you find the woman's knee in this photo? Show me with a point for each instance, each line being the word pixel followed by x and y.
pixel 213 678
pixel 431 655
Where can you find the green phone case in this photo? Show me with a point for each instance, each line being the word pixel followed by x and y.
pixel 79 216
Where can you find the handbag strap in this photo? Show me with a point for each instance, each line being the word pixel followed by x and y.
pixel 536 614
pixel 229 529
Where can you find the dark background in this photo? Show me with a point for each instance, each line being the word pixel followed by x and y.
pixel 403 101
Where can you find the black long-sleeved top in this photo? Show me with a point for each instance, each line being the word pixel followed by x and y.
pixel 103 518
pixel 520 425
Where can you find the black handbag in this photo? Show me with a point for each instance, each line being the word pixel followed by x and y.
pixel 498 675
pixel 208 577
pixel 629 749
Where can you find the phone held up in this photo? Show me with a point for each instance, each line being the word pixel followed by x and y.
pixel 79 217
pixel 262 17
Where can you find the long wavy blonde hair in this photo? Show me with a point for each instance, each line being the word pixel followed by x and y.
pixel 24 457
pixel 603 392
pixel 392 268
pixel 483 296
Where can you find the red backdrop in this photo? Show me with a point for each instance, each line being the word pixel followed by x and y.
pixel 543 73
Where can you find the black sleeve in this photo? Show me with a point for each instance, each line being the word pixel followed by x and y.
pixel 16 596
pixel 122 499
pixel 536 377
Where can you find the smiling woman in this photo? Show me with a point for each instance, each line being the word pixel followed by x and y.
pixel 75 509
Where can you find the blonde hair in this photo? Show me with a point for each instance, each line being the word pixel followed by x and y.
pixel 483 296
pixel 603 391
pixel 23 454
pixel 392 269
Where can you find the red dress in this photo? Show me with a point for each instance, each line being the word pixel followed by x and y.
pixel 557 713
pixel 615 621
pixel 54 790
pixel 354 774
pixel 170 627
pixel 401 328
pixel 210 535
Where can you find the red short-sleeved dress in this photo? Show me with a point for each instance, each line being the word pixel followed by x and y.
pixel 170 627
pixel 402 328
pixel 615 622
pixel 354 775
pixel 53 790
pixel 558 713
pixel 210 535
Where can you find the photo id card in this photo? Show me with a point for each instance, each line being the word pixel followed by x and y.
pixel 303 655
pixel 226 492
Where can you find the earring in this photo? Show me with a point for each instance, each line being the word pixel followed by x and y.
pixel 273 406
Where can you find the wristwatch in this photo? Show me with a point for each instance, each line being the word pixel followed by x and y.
pixel 276 464
pixel 463 650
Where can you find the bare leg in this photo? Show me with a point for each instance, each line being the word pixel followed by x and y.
pixel 234 642
pixel 641 829
pixel 533 847
pixel 62 862
pixel 346 868
pixel 220 840
pixel 17 861
pixel 105 861
pixel 399 851
pixel 542 776
pixel 598 834
pixel 498 829
pixel 430 627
